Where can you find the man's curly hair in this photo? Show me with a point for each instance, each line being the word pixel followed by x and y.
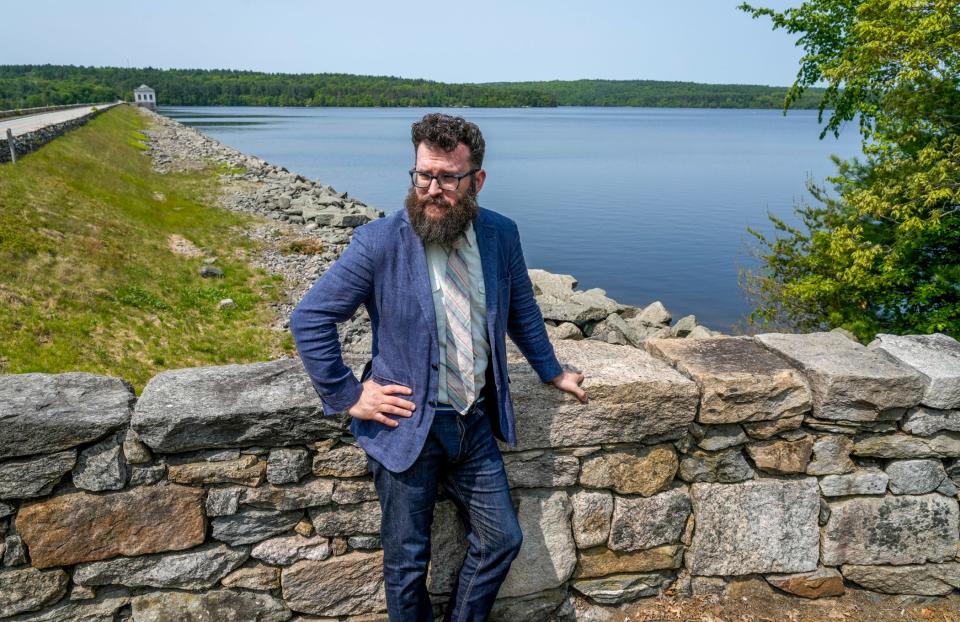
pixel 447 132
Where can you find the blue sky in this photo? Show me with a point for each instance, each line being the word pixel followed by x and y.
pixel 491 40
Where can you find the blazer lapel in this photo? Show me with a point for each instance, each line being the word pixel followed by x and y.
pixel 489 258
pixel 417 269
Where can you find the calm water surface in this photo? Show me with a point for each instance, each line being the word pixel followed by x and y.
pixel 648 204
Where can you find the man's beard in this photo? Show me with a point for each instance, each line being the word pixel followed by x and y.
pixel 446 229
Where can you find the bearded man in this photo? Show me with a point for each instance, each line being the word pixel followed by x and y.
pixel 443 282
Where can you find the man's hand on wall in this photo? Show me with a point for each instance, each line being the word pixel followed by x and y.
pixel 570 381
pixel 377 401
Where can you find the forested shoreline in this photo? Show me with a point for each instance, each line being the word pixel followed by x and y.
pixel 26 86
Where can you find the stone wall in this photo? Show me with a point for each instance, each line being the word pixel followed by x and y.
pixel 31 141
pixel 810 462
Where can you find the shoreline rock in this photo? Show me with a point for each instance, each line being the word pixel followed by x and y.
pixel 308 209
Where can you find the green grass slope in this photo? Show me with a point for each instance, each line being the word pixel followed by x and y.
pixel 88 280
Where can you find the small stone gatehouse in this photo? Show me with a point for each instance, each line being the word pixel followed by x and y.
pixel 145 96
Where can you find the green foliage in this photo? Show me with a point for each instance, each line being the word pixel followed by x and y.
pixel 41 85
pixel 88 280
pixel 881 253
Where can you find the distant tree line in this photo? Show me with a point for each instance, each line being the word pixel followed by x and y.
pixel 27 86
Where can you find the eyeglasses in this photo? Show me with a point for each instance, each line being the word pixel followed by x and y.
pixel 446 181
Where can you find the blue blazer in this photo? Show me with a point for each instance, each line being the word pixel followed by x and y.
pixel 385 269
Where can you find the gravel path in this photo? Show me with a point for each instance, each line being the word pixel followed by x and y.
pixel 34 122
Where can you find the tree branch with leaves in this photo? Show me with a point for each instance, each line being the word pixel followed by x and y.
pixel 882 253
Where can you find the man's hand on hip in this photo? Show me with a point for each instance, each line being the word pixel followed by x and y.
pixel 377 402
pixel 570 381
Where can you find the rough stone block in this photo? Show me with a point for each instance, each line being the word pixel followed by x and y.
pixel 256 577
pixel 253 525
pixel 768 429
pixel 246 470
pixel 915 477
pixel 313 493
pixel 632 396
pixel 866 481
pixel 831 456
pixel 613 329
pixel 726 466
pixel 364 543
pixel 34 477
pixel 29 589
pixel 782 457
pixel 891 530
pixel 102 608
pixel 622 588
pixel 849 382
pixel 81 592
pixel 134 450
pixel 207 606
pixel 147 475
pixel 350 584
pixel 579 307
pixel 537 469
pixel 558 285
pixel 739 380
pixel 927 421
pixel 655 314
pixel 722 436
pixel 352 491
pixel 760 526
pixel 601 561
pixel 338 545
pixel 819 583
pixel 347 520
pixel 101 467
pixel 341 461
pixel 591 517
pixel 287 465
pixel 925 579
pixel 565 330
pixel 644 471
pixel 79 527
pixel 288 549
pixel 548 555
pixel 936 356
pixel 304 528
pixel 195 569
pixel 854 428
pixel 903 446
pixel 643 523
pixel 270 403
pixel 45 413
pixel 222 501
pixel 14 552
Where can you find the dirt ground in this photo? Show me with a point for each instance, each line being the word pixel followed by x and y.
pixel 854 606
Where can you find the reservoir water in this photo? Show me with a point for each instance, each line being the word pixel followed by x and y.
pixel 646 203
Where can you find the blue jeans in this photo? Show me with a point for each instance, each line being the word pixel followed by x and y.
pixel 461 454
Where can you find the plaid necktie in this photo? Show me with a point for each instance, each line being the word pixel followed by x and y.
pixel 459 350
